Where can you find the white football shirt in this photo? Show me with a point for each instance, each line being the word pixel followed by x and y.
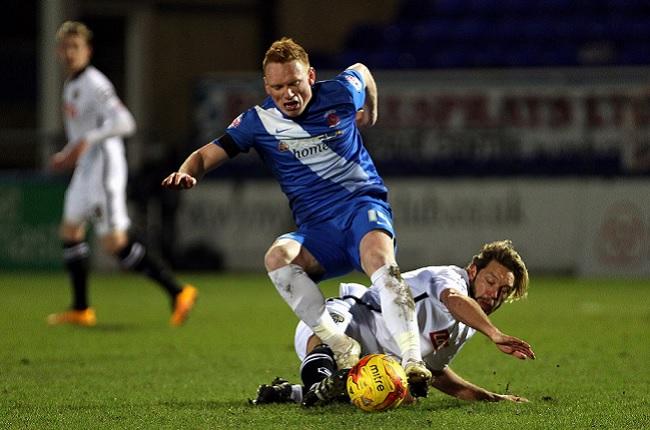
pixel 441 336
pixel 97 191
pixel 92 111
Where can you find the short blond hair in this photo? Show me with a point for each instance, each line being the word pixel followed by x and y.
pixel 503 252
pixel 285 50
pixel 74 28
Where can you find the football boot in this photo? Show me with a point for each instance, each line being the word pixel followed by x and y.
pixel 346 352
pixel 85 317
pixel 418 377
pixel 183 304
pixel 328 390
pixel 279 391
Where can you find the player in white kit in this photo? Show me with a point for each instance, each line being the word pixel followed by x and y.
pixel 451 303
pixel 95 122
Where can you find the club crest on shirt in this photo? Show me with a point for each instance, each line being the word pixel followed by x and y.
pixel 332 118
pixel 439 339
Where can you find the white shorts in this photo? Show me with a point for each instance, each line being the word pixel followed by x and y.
pixel 97 191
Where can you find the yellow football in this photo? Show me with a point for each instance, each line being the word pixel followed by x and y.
pixel 376 383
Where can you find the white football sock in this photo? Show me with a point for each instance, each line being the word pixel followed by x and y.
pixel 398 309
pixel 307 302
pixel 296 393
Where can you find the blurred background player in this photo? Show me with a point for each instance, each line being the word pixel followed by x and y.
pixel 95 122
pixel 452 303
pixel 306 132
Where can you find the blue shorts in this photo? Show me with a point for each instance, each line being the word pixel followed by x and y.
pixel 335 242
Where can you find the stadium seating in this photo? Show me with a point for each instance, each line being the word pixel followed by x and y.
pixel 503 33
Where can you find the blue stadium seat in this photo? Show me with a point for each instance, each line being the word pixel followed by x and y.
pixel 488 55
pixel 363 37
pixel 448 58
pixel 416 10
pixel 452 8
pixel 472 29
pixel 628 6
pixel 516 33
pixel 432 31
pixel 634 54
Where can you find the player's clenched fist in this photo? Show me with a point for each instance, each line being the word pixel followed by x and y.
pixel 179 181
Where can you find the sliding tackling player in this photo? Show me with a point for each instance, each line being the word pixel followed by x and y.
pixel 451 304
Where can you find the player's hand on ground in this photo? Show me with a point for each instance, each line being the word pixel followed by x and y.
pixel 513 346
pixel 179 181
pixel 512 398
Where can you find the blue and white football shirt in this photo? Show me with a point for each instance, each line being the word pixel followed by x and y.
pixel 318 158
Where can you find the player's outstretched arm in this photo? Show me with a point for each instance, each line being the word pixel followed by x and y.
pixel 451 383
pixel 201 161
pixel 514 346
pixel 467 311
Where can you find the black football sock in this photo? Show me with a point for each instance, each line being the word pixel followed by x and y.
pixel 317 365
pixel 134 256
pixel 75 257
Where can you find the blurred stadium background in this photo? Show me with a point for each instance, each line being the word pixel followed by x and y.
pixel 513 119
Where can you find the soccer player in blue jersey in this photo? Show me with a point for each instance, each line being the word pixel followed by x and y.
pixel 307 134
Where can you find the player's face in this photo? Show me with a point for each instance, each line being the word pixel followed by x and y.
pixel 74 53
pixel 289 85
pixel 491 285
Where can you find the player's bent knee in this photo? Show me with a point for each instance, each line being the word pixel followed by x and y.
pixel 373 262
pixel 72 233
pixel 376 250
pixel 276 257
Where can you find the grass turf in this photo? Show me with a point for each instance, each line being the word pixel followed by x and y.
pixel 132 370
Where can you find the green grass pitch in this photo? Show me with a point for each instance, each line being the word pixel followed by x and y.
pixel 592 340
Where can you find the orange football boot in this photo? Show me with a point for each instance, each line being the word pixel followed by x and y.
pixel 183 305
pixel 84 317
